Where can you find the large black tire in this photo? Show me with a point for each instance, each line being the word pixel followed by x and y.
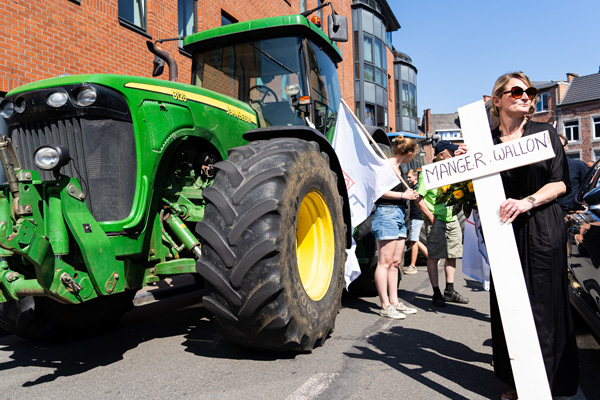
pixel 274 245
pixel 42 318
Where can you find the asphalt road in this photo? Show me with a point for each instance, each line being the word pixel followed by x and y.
pixel 167 348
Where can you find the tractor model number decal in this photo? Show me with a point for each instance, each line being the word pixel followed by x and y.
pixel 181 96
pixel 184 96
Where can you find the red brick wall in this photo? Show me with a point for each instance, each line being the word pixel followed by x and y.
pixel 43 39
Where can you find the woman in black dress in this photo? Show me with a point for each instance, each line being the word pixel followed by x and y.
pixel 539 229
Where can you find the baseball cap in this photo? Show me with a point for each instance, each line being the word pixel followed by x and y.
pixel 445 145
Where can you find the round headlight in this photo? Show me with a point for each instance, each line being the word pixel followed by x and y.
pixel 51 157
pixel 57 99
pixel 8 109
pixel 292 89
pixel 86 97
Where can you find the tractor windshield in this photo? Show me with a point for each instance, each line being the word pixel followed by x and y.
pixel 260 73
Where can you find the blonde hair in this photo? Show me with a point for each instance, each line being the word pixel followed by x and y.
pixel 412 172
pixel 404 146
pixel 499 90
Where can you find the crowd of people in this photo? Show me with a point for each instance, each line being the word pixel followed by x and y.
pixel 538 197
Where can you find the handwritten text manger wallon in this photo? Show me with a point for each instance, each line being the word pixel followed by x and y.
pixel 516 153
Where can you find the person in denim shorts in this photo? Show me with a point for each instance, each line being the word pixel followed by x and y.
pixel 389 228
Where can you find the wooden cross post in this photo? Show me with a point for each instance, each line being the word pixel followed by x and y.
pixel 482 164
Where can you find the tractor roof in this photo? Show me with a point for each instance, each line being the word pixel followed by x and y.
pixel 287 25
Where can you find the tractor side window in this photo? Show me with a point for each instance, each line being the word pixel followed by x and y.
pixel 324 89
pixel 216 70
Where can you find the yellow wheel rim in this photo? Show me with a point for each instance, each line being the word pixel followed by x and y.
pixel 315 245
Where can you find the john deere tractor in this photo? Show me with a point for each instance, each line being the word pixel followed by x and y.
pixel 116 182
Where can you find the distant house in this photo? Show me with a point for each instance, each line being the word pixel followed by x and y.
pixel 549 95
pixel 579 117
pixel 445 125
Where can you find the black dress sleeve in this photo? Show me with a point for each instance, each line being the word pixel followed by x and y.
pixel 558 168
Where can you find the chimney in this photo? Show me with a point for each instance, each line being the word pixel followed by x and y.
pixel 486 98
pixel 427 120
pixel 570 76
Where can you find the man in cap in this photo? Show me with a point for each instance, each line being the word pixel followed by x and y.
pixel 444 235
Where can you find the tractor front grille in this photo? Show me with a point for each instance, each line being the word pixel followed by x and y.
pixel 103 159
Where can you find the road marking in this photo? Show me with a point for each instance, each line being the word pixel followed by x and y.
pixel 313 387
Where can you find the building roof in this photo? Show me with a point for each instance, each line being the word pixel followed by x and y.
pixel 581 89
pixel 546 84
pixel 382 7
pixel 440 122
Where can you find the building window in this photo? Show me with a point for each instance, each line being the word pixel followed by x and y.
pixel 368 49
pixel 542 102
pixel 596 154
pixel 596 128
pixel 133 12
pixel 369 74
pixel 571 129
pixel 388 39
pixel 227 19
pixel 409 100
pixel 450 134
pixel 369 115
pixel 374 59
pixel 378 58
pixel 186 10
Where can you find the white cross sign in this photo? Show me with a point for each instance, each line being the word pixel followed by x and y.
pixel 482 165
pixel 488 160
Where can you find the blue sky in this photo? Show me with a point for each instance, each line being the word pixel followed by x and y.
pixel 461 47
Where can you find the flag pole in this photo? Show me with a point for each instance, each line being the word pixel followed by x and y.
pixel 376 145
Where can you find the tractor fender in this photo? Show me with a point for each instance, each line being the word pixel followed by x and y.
pixel 307 133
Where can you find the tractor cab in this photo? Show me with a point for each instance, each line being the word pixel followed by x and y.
pixel 285 68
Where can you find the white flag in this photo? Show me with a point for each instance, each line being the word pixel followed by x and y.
pixel 367 175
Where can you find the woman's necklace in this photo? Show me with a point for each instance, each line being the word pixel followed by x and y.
pixel 509 136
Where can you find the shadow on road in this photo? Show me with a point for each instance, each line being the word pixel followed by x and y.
pixel 420 355
pixel 422 301
pixel 143 323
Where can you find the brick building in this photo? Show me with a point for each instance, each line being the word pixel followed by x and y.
pixel 549 95
pixel 579 117
pixel 53 37
pixel 573 108
pixel 445 125
pixel 47 38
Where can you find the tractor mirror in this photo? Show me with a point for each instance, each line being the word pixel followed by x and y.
pixel 338 28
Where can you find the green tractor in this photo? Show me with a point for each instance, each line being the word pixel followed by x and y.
pixel 116 182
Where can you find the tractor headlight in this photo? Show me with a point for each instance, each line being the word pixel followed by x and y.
pixel 86 96
pixel 20 105
pixel 57 99
pixel 51 157
pixel 8 108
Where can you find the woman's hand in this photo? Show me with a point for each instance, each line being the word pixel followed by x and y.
pixel 462 149
pixel 511 208
pixel 411 194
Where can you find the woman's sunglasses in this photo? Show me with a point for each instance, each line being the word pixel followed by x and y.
pixel 517 92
